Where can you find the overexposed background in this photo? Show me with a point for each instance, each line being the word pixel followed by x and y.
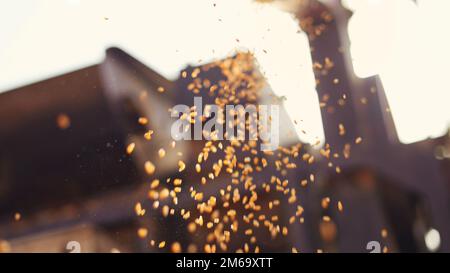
pixel 407 43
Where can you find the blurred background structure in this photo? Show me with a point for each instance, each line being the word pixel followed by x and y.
pixel 64 175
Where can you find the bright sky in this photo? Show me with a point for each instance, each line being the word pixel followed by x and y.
pixel 408 45
pixel 41 38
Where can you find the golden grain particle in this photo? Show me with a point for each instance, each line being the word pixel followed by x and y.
pixel 152 194
pixel 154 184
pixel 148 135
pixel 292 199
pixel 358 140
pixel 384 233
pixel 212 201
pixel 177 182
pixel 317 65
pixel 304 183
pixel 130 148
pixel 246 248
pixel 340 206
pixel 143 121
pixel 161 89
pixel 198 168
pixel 291 219
pixel 149 168
pixel 207 248
pixel 183 74
pixel 187 215
pixel 198 196
pixel 231 213
pixel 164 193
pixel 346 150
pixel 264 162
pixel 139 210
pixel 306 156
pixel 161 153
pixel 325 202
pixel 192 227
pixel 199 221
pixel 17 216
pixel 341 129
pixel 256 249
pixel 181 166
pixel 162 244
pixel 165 210
pixel 326 218
pixel 195 72
pixel 176 247
pixel 63 121
pixel 328 63
pixel 142 233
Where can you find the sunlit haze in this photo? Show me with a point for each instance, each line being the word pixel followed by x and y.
pixel 44 38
